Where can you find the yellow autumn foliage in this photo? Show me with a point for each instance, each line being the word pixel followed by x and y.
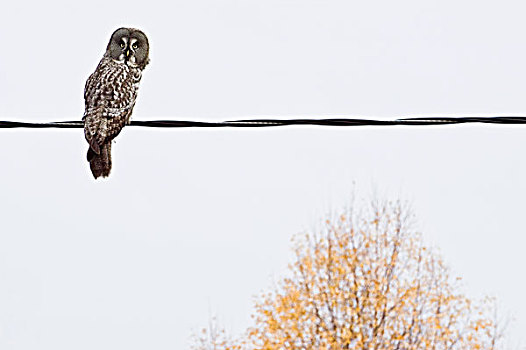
pixel 366 281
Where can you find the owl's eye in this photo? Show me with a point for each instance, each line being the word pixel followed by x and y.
pixel 135 46
pixel 123 44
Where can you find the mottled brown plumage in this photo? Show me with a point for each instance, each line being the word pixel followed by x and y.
pixel 110 94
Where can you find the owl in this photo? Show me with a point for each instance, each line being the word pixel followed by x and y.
pixel 110 94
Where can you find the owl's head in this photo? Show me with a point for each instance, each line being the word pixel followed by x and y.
pixel 130 46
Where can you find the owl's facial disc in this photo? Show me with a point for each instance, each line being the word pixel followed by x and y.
pixel 129 46
pixel 127 53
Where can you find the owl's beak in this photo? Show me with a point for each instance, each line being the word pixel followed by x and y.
pixel 128 53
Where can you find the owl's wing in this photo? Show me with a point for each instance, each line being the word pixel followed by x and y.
pixel 90 87
pixel 92 115
pixel 92 123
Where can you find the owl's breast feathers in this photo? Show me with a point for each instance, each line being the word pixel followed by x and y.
pixel 109 96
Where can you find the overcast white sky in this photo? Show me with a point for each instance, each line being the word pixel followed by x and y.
pixel 194 221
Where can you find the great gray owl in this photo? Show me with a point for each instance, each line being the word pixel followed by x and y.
pixel 110 94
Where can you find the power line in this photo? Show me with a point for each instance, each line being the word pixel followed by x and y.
pixel 251 123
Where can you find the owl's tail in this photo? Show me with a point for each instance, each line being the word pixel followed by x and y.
pixel 100 164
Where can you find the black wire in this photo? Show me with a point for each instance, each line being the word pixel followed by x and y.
pixel 251 123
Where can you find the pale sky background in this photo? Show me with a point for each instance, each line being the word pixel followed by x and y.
pixel 198 221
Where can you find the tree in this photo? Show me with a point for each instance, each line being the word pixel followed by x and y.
pixel 367 281
pixel 213 338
